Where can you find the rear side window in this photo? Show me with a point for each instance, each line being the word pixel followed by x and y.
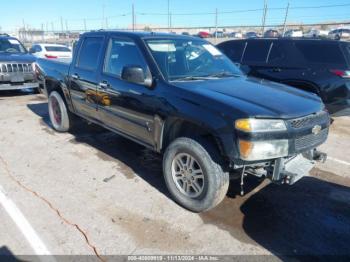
pixel 347 52
pixel 57 49
pixel 256 51
pixel 277 54
pixel 323 53
pixel 89 53
pixel 233 49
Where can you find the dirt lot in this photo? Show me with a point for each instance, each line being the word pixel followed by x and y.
pixel 93 192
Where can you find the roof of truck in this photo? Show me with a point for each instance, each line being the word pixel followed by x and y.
pixel 138 34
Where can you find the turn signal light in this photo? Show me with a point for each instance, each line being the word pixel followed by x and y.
pixel 244 125
pixel 245 148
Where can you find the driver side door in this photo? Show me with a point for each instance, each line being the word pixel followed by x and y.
pixel 128 108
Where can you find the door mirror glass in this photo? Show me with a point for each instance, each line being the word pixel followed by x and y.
pixel 31 50
pixel 135 74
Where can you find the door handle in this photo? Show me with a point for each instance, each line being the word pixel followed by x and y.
pixel 276 70
pixel 75 76
pixel 103 85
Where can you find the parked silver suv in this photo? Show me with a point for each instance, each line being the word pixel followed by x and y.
pixel 16 65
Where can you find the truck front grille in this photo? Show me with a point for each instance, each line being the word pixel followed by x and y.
pixel 15 67
pixel 310 120
pixel 311 141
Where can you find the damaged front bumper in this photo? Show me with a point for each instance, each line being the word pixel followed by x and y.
pixel 290 170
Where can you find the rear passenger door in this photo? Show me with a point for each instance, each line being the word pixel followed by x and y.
pixel 83 76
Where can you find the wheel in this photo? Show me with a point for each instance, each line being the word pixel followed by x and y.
pixel 61 118
pixel 193 174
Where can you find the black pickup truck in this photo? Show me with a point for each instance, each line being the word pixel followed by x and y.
pixel 181 97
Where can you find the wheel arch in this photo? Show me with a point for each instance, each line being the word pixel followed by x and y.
pixel 175 127
pixel 55 85
pixel 304 85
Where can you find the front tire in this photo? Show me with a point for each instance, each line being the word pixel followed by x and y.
pixel 193 174
pixel 60 117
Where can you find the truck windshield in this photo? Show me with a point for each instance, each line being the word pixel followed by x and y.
pixel 11 46
pixel 182 59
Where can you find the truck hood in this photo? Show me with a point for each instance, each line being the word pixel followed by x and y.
pixel 256 97
pixel 21 58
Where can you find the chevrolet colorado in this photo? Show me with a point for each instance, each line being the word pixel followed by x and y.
pixel 181 97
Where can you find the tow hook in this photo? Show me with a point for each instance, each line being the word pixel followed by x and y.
pixel 320 156
pixel 315 155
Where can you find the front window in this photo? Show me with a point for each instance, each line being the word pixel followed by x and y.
pixel 182 59
pixel 9 45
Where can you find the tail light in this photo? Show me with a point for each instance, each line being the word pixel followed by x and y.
pixel 50 56
pixel 341 73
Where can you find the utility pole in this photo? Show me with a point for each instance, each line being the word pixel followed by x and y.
pixel 24 31
pixel 216 25
pixel 169 15
pixel 42 32
pixel 66 26
pixel 264 17
pixel 52 27
pixel 133 16
pixel 285 20
pixel 106 22
pixel 103 14
pixel 62 25
pixel 84 24
pixel 170 22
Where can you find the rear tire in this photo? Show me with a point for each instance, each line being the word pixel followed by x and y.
pixel 60 117
pixel 193 174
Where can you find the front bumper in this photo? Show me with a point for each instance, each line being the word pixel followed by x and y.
pixel 304 135
pixel 289 171
pixel 18 86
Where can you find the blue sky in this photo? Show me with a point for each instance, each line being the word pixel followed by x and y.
pixel 38 13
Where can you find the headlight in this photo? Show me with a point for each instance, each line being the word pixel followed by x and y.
pixel 260 125
pixel 261 150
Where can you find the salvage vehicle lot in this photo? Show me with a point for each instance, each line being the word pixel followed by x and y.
pixel 94 191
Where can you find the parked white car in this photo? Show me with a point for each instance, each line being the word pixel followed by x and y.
pixel 235 35
pixel 293 33
pixel 51 51
pixel 340 34
pixel 316 33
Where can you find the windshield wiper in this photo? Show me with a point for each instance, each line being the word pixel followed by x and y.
pixel 223 74
pixel 189 78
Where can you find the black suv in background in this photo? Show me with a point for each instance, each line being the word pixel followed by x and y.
pixel 318 66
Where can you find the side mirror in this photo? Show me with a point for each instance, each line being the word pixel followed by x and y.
pixel 136 74
pixel 31 50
